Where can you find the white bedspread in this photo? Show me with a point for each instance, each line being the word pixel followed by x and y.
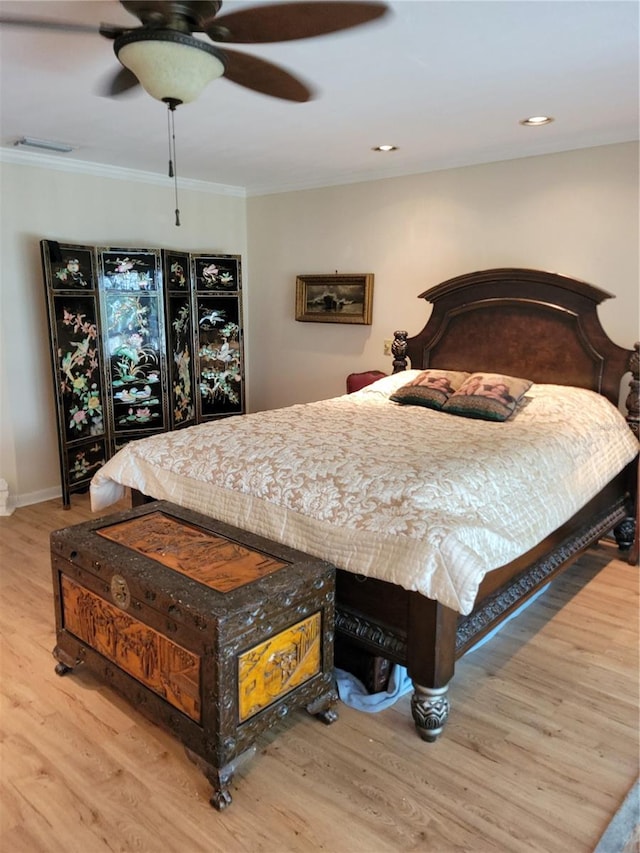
pixel 423 499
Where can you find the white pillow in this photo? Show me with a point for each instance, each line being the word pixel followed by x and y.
pixel 386 386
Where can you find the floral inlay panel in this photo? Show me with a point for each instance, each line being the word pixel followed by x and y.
pixel 219 353
pixel 134 339
pixel 181 360
pixel 78 351
pixel 219 273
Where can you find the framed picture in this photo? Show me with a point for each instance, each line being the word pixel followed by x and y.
pixel 335 298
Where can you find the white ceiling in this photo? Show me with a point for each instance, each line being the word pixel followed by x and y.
pixel 447 82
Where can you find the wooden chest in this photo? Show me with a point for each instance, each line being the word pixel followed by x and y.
pixel 211 631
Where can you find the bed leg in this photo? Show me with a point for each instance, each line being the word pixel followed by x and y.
pixel 625 532
pixel 431 653
pixel 430 710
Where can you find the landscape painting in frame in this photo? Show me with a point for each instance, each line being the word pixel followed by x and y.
pixel 335 298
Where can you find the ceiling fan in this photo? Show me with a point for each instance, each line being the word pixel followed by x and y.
pixel 171 64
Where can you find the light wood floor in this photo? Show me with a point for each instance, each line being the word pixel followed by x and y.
pixel 539 752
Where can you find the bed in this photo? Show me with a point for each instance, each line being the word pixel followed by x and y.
pixel 430 560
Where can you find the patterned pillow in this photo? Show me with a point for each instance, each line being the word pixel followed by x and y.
pixel 490 396
pixel 431 388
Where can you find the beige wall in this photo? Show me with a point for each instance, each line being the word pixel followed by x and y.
pixel 574 213
pixel 39 203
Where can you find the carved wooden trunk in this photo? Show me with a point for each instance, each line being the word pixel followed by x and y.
pixel 211 631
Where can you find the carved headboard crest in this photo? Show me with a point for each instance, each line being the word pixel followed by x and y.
pixel 530 323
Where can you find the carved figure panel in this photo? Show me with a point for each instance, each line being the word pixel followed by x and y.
pixel 274 667
pixel 203 556
pixel 168 669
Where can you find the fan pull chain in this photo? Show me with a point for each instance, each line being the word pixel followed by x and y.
pixel 169 138
pixel 173 172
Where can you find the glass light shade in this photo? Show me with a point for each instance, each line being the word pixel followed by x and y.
pixel 169 65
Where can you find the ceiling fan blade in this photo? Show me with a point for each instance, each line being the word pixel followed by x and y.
pixel 44 24
pixel 110 31
pixel 262 76
pixel 288 21
pixel 122 81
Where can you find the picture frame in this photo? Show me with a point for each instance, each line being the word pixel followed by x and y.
pixel 335 298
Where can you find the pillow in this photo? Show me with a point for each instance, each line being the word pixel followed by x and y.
pixel 358 381
pixel 431 388
pixel 490 396
pixel 383 388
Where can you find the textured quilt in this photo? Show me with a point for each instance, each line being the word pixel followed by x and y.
pixel 425 499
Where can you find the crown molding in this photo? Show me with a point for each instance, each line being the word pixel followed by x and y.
pixel 62 163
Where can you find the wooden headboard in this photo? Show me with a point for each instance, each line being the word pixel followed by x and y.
pixel 530 323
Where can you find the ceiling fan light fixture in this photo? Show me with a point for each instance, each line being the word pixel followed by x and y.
pixel 171 66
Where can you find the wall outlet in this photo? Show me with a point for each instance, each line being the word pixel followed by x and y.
pixel 387 346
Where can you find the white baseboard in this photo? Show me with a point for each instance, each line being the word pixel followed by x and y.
pixel 27 499
pixel 5 507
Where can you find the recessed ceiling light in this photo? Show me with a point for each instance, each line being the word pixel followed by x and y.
pixel 536 121
pixel 385 148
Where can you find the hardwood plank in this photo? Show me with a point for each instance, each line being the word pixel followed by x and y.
pixel 539 752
